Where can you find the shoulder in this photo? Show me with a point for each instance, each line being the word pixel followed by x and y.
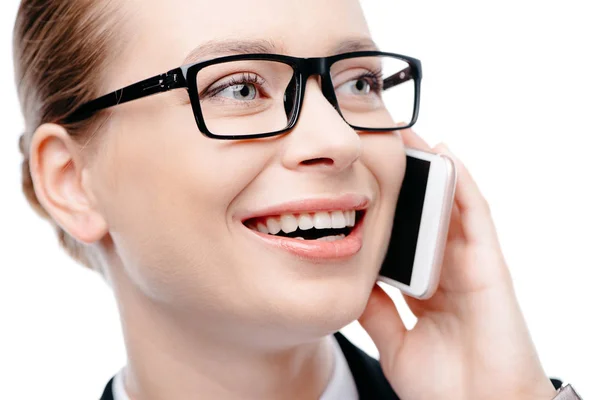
pixel 366 371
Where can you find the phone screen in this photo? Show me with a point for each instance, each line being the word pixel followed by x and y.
pixel 400 257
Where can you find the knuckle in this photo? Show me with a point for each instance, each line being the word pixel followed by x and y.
pixel 486 207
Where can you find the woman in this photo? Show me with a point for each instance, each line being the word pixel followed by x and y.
pixel 185 222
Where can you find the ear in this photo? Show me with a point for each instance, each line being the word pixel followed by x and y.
pixel 61 183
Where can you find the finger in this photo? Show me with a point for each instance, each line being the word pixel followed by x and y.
pixel 470 198
pixel 416 306
pixel 455 229
pixel 472 206
pixel 383 324
pixel 412 140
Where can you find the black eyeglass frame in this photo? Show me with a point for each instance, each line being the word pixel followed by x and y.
pixel 185 77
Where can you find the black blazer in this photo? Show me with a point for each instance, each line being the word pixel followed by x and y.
pixel 366 371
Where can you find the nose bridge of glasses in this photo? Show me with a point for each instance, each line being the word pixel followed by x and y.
pixel 320 66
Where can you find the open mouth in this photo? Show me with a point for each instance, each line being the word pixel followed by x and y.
pixel 323 226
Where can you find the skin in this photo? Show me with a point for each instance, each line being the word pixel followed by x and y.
pixel 216 314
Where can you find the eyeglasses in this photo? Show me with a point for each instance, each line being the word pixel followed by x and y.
pixel 260 95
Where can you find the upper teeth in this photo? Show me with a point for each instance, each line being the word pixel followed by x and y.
pixel 320 220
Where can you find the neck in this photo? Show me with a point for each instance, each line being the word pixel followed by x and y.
pixel 170 357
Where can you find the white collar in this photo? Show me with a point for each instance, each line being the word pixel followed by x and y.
pixel 340 386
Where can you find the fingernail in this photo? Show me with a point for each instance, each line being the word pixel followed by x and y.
pixel 441 147
pixel 446 148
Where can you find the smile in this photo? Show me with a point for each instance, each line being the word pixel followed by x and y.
pixel 322 225
pixel 317 229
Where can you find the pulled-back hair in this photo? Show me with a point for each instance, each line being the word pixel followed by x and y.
pixel 60 49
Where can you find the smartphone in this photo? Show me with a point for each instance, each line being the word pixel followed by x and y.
pixel 416 248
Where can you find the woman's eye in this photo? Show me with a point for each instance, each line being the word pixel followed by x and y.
pixel 357 86
pixel 242 91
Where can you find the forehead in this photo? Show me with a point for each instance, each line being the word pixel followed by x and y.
pixel 164 35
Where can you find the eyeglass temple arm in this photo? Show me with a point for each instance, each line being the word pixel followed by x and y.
pixel 398 78
pixel 157 84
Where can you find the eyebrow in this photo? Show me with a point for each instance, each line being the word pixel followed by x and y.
pixel 260 46
pixel 358 44
pixel 225 47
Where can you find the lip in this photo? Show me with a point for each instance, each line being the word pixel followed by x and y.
pixel 315 250
pixel 341 203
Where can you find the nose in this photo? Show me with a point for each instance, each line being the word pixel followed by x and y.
pixel 321 138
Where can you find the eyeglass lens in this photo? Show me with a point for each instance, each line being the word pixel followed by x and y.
pixel 259 96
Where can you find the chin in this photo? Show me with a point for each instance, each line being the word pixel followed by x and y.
pixel 324 308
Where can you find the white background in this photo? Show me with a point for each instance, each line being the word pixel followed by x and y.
pixel 512 86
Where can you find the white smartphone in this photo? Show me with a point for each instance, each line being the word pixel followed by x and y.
pixel 416 249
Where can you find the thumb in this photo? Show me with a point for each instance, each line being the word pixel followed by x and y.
pixel 383 324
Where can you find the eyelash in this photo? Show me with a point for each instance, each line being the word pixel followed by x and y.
pixel 375 79
pixel 233 81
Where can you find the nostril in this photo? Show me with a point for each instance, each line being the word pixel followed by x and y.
pixel 321 160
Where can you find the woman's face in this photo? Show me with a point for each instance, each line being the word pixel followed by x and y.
pixel 183 209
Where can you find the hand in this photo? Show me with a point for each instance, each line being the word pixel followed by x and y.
pixel 470 340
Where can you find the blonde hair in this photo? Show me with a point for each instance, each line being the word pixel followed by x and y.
pixel 60 48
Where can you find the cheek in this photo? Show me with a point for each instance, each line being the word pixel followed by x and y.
pixel 385 159
pixel 166 197
pixel 384 156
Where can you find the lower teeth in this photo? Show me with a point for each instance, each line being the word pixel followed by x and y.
pixel 325 238
pixel 331 238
